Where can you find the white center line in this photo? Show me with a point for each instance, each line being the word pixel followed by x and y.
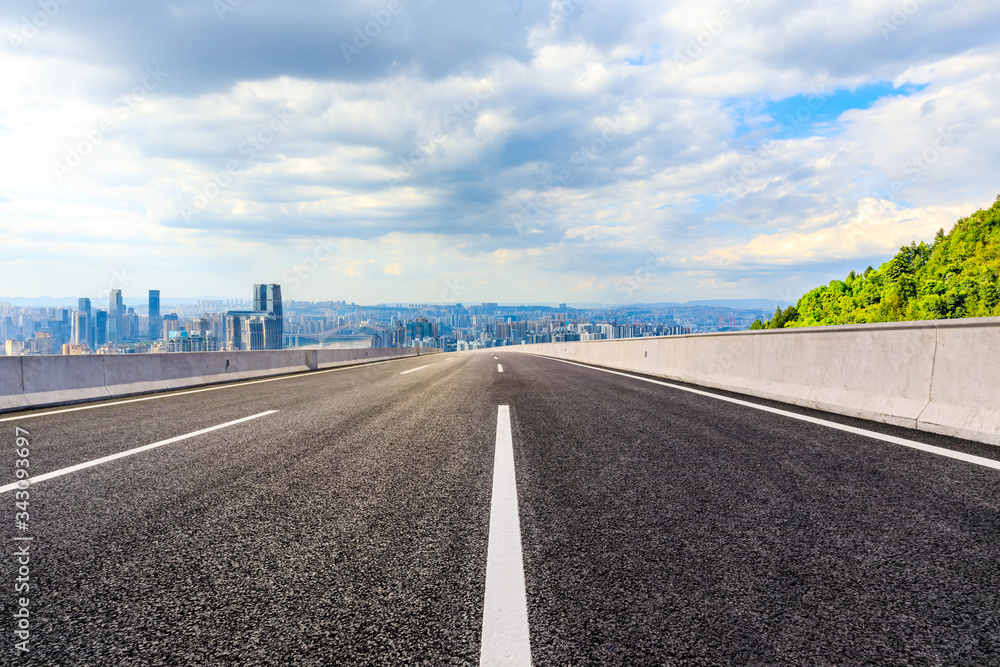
pixel 499 368
pixel 940 451
pixel 412 370
pixel 130 452
pixel 506 640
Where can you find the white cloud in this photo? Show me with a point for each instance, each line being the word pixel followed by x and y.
pixel 876 227
pixel 418 155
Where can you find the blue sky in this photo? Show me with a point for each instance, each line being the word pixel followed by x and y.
pixel 814 113
pixel 427 150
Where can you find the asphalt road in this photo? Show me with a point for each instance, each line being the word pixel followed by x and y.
pixel 352 525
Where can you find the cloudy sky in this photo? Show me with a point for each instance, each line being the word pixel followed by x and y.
pixel 501 150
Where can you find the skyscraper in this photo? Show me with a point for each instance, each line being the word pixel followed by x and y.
pixel 155 323
pixel 100 328
pixel 261 328
pixel 87 336
pixel 267 300
pixel 170 322
pixel 64 328
pixel 115 312
pixel 130 325
pixel 81 328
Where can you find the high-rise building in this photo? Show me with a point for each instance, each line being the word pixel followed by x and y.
pixel 115 313
pixel 88 334
pixel 130 325
pixel 43 343
pixel 254 333
pixel 261 328
pixel 218 326
pixel 170 322
pixel 234 329
pixel 251 330
pixel 155 323
pixel 199 326
pixel 267 300
pixel 100 328
pixel 81 328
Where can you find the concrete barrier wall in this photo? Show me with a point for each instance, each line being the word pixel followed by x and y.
pixel 940 376
pixel 38 381
pixel 12 383
pixel 56 379
pixel 327 360
pixel 965 390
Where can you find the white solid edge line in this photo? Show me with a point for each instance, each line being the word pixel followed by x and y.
pixel 412 370
pixel 184 392
pixel 506 640
pixel 940 451
pixel 106 459
pixel 499 368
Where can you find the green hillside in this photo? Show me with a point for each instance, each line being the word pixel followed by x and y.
pixel 958 275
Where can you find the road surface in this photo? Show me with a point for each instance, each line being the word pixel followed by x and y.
pixel 344 517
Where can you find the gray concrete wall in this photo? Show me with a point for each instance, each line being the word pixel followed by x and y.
pixel 39 381
pixel 941 376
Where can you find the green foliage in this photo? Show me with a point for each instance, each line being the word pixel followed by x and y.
pixel 958 275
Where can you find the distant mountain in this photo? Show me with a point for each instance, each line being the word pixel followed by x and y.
pixel 957 275
pixel 735 304
pixel 73 302
pixel 41 301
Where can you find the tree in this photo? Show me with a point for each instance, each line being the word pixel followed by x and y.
pixel 958 275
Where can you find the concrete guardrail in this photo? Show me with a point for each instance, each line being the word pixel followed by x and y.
pixel 938 376
pixel 40 381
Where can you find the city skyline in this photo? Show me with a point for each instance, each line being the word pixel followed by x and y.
pixel 260 323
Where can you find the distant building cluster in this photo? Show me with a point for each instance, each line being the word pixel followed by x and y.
pixel 120 329
pixel 261 328
pixel 457 328
pixel 266 322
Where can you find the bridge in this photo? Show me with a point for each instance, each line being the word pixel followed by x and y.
pixel 585 503
pixel 323 336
